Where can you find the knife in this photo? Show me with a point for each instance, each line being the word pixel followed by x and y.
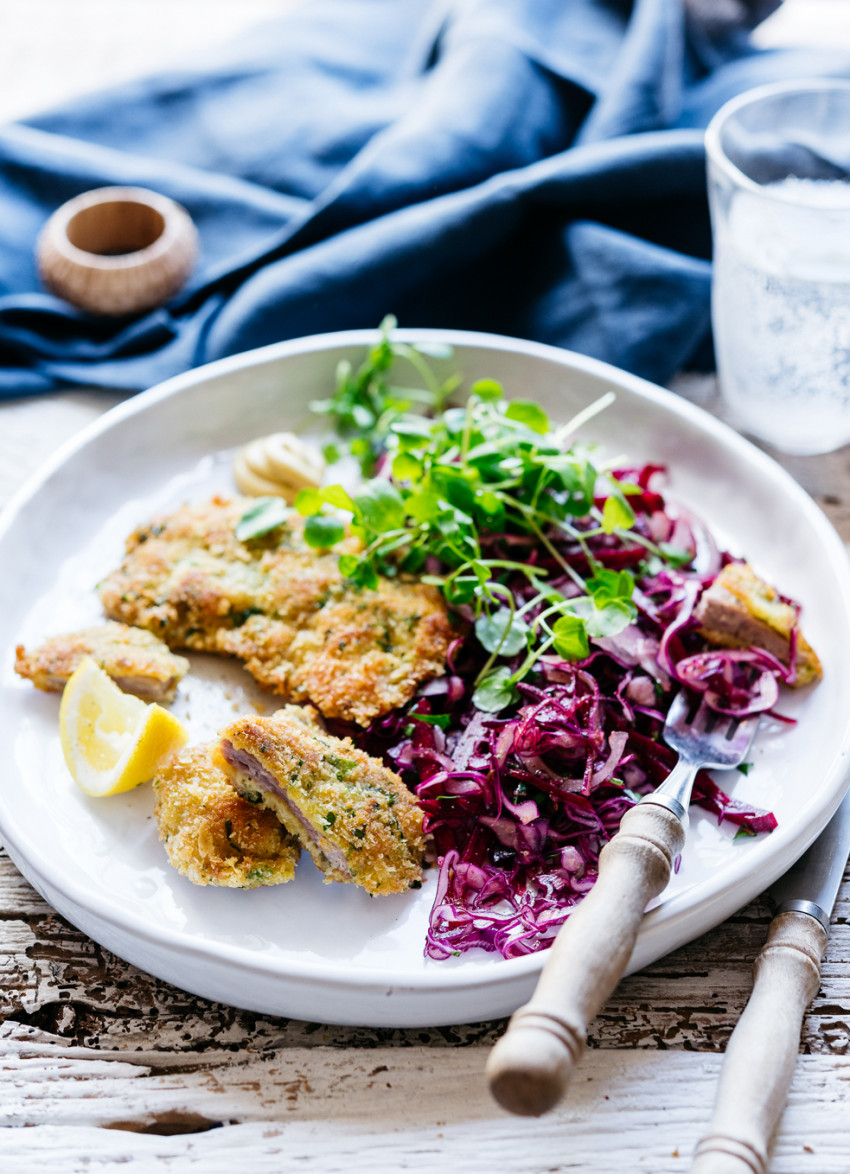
pixel 759 1063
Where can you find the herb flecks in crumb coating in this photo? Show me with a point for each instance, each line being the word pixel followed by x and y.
pixel 212 835
pixel 302 630
pixel 136 660
pixel 354 816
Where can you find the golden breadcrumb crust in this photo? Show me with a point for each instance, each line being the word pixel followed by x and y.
pixel 135 659
pixel 740 610
pixel 282 608
pixel 211 835
pixel 357 819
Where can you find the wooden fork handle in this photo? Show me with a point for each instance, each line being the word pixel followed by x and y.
pixel 530 1066
pixel 762 1051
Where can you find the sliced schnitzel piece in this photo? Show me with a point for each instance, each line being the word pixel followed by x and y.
pixel 213 836
pixel 354 816
pixel 283 608
pixel 740 610
pixel 136 660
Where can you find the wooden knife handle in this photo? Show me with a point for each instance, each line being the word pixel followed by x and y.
pixel 762 1051
pixel 530 1066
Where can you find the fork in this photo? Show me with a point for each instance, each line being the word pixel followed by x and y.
pixel 530 1066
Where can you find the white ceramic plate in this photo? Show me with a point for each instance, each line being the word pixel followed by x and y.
pixel 330 953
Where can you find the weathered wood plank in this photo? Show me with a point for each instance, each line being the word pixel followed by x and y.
pixel 390 1109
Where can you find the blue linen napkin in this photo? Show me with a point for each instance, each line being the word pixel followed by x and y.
pixel 529 167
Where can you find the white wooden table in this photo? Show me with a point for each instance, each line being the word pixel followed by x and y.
pixel 107 1067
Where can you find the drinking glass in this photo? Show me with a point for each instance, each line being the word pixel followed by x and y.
pixel 779 192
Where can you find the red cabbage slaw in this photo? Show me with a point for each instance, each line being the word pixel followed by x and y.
pixel 519 804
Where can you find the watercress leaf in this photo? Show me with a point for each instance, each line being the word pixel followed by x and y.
pixel 422 505
pixel 489 502
pixel 443 720
pixel 675 556
pixel 588 477
pixel 331 453
pixel 460 589
pixel 406 467
pixel 571 638
pixel 262 516
pixel 335 495
pixel 528 413
pixel 308 501
pixel 606 585
pixel 487 389
pixel 322 531
pixel 380 506
pixel 581 607
pixel 413 429
pixel 617 514
pixel 362 417
pixel 625 584
pixel 502 632
pixel 483 454
pixel 413 562
pixel 616 615
pixel 495 692
pixel 455 488
pixel 454 420
pixel 367 576
pixel 489 511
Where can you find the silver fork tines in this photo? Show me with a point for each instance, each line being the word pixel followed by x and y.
pixel 702 737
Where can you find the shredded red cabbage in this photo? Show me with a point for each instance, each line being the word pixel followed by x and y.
pixel 520 804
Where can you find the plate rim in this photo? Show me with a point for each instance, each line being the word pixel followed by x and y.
pixel 445 979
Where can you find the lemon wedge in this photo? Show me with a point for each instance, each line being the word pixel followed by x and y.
pixel 112 742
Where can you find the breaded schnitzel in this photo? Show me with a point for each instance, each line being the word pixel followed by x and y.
pixel 355 817
pixel 213 836
pixel 740 610
pixel 135 660
pixel 301 629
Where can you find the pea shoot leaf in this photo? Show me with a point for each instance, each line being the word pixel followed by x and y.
pixel 478 496
pixel 528 413
pixel 487 389
pixel 322 531
pixel 607 620
pixel 674 556
pixel 496 692
pixel 379 507
pixel 571 638
pixel 263 516
pixel 503 632
pixel 617 514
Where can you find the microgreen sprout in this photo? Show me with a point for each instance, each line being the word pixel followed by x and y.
pixel 458 489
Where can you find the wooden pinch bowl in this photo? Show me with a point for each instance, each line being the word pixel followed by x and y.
pixel 117 250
